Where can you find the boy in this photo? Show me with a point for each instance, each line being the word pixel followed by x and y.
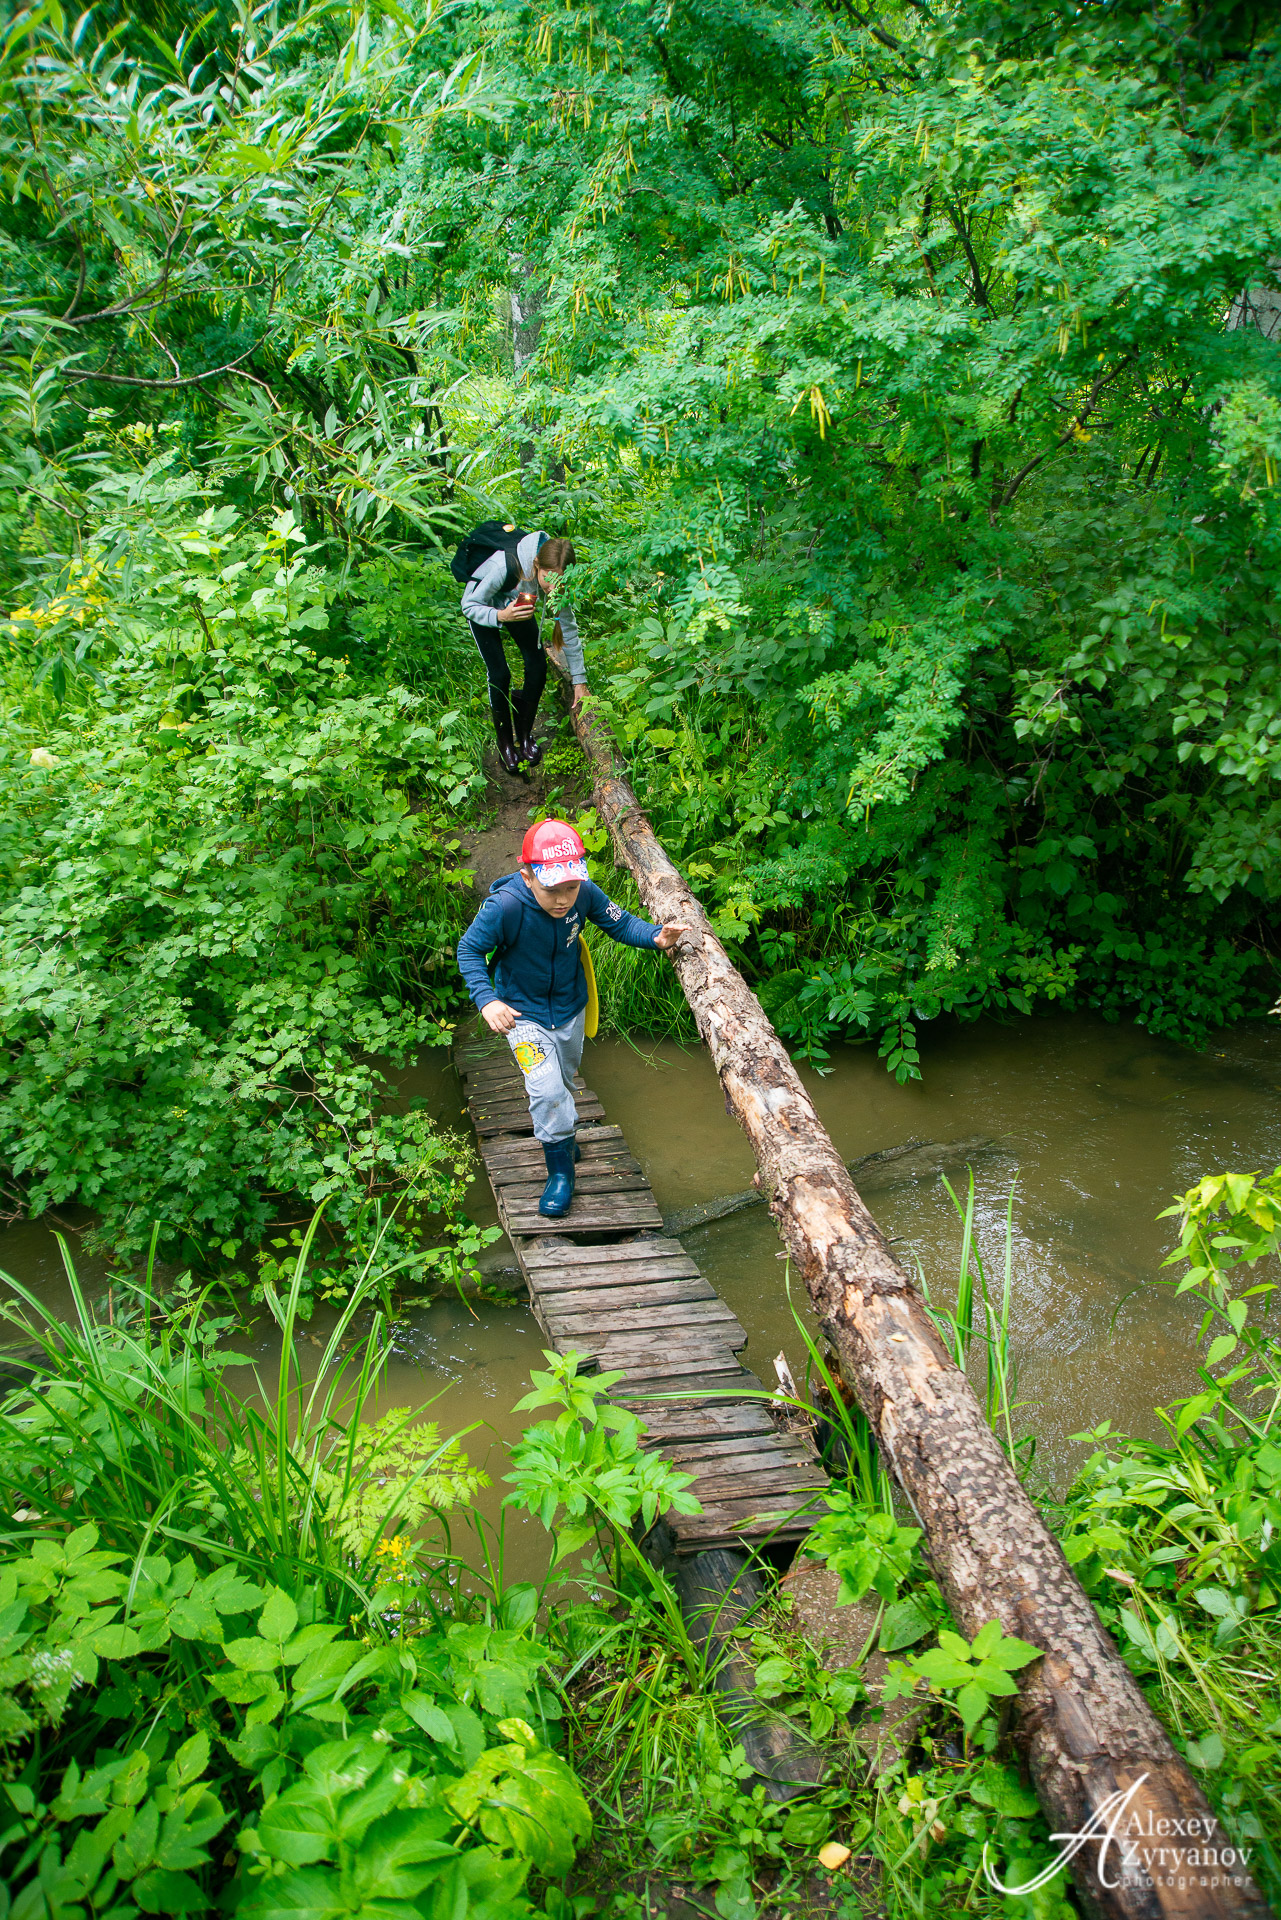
pixel 531 921
pixel 502 593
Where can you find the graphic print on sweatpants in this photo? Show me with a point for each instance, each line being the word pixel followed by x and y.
pixel 549 1058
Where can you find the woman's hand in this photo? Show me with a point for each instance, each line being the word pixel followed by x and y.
pixel 508 614
pixel 580 693
pixel 498 1016
pixel 666 937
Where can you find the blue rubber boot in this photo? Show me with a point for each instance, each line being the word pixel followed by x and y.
pixel 559 1191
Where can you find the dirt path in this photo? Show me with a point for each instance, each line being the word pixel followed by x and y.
pixel 495 849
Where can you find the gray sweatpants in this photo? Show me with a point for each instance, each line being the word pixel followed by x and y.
pixel 549 1058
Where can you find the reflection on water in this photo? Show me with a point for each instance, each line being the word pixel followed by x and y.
pixel 1103 1124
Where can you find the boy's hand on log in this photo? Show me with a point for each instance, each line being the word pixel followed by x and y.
pixel 670 935
pixel 498 1016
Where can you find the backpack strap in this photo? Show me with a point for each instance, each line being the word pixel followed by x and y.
pixel 510 925
pixel 512 913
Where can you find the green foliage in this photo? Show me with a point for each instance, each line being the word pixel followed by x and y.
pixel 397 1464
pixel 975 1672
pixel 589 1462
pixel 1176 1541
pixel 796 1676
pixel 235 761
pixel 866 1549
pixel 929 503
pixel 227 887
pixel 214 1692
pixel 1230 1221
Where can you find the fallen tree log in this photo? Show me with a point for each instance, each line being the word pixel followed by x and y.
pixel 1100 1761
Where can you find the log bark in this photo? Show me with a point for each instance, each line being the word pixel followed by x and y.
pixel 1094 1749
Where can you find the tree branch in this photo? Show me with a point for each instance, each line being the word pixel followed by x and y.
pixel 188 380
pixel 870 25
pixel 1079 420
pixel 962 234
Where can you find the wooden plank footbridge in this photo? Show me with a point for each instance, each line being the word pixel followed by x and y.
pixel 605 1283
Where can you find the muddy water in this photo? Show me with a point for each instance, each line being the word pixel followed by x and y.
pixel 1101 1124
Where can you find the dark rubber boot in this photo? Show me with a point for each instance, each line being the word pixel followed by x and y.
pixel 526 712
pixel 501 710
pixel 559 1191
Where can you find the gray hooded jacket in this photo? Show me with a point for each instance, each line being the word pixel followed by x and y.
pixel 484 595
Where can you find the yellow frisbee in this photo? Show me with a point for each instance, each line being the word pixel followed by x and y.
pixel 592 1019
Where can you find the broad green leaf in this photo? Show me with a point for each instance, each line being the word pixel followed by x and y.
pixel 906 1622
pixel 279 1618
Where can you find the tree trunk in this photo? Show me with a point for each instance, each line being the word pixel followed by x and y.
pixel 528 293
pixel 1095 1750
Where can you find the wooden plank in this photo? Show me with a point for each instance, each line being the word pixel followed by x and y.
pixel 491 1073
pixel 755 1483
pixel 595 1143
pixel 676 1318
pixel 623 1299
pixel 512 1169
pixel 680 1370
pixel 639 1273
pixel 743 1384
pixel 738 1537
pixel 690 1348
pixel 506 1086
pixel 658 1309
pixel 694 1533
pixel 505 1100
pixel 646 1396
pixel 482 1048
pixel 708 1456
pixel 585 1103
pixel 517 1120
pixel 588 1213
pixel 699 1420
pixel 783 1505
pixel 643 1246
pixel 485 1079
pixel 777 1516
pixel 590 1177
pixel 599 1133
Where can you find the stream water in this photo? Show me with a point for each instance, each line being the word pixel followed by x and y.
pixel 1097 1125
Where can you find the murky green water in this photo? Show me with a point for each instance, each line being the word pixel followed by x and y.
pixel 1101 1124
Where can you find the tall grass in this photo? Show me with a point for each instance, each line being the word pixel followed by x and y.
pixel 639 989
pixel 982 1314
pixel 132 1425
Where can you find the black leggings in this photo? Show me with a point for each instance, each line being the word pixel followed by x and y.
pixel 489 643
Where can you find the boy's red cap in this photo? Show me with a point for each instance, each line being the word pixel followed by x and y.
pixel 555 853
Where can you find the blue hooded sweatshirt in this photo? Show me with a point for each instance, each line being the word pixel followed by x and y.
pixel 536 965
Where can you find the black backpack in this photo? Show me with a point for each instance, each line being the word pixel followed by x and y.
pixel 491 536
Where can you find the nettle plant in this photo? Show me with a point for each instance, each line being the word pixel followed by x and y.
pixel 585 1474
